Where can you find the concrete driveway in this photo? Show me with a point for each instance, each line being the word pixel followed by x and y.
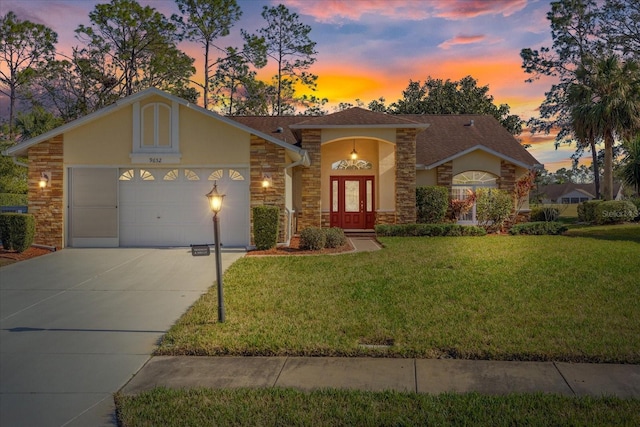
pixel 77 324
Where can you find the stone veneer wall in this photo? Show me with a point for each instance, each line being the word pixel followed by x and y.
pixel 444 174
pixel 386 218
pixel 269 159
pixel 507 179
pixel 405 176
pixel 311 214
pixel 47 205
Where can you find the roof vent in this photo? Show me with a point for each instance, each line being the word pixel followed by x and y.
pixel 472 122
pixel 279 130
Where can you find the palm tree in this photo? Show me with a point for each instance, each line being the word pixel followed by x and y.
pixel 607 106
pixel 580 115
pixel 630 171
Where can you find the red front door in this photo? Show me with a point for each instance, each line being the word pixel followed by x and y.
pixel 352 202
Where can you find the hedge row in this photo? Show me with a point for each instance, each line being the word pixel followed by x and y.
pixel 538 228
pixel 607 212
pixel 7 199
pixel 17 231
pixel 406 230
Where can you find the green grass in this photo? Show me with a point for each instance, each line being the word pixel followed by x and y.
pixel 285 407
pixel 567 298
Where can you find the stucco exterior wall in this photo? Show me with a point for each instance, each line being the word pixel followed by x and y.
pixel 202 141
pixel 426 177
pixel 478 161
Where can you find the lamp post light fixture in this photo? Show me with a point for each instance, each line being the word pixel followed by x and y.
pixel 215 203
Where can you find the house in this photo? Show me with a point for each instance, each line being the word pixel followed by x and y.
pixel 136 173
pixel 571 193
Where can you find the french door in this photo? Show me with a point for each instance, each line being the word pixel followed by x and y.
pixel 352 202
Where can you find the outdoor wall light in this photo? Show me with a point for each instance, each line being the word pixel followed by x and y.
pixel 354 153
pixel 267 181
pixel 215 203
pixel 45 180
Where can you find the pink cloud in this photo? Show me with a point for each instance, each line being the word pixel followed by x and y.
pixel 462 39
pixel 336 11
pixel 465 9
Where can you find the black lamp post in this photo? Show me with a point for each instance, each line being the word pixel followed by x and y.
pixel 215 202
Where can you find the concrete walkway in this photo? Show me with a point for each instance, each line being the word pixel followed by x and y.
pixel 364 244
pixel 377 374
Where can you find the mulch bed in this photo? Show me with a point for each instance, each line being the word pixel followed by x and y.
pixel 29 253
pixel 294 249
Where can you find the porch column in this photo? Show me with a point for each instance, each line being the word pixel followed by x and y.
pixel 311 214
pixel 406 176
pixel 507 176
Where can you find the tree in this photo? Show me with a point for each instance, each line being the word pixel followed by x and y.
pixel 136 46
pixel 630 170
pixel 233 73
pixel 574 32
pixel 438 96
pixel 24 48
pixel 208 20
pixel 610 91
pixel 288 44
pixel 622 30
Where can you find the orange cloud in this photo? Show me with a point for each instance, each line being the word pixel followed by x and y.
pixel 461 39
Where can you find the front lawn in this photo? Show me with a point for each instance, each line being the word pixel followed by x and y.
pixel 285 407
pixel 495 297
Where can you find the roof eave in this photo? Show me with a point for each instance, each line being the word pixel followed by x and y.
pixel 482 148
pixel 363 126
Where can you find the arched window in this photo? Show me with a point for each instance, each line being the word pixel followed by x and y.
pixel 465 183
pixel 349 164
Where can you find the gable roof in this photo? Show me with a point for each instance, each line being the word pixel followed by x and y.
pixel 357 117
pixel 21 148
pixel 453 135
pixel 555 192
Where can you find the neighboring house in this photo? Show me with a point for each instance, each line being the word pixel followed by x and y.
pixel 136 173
pixel 570 193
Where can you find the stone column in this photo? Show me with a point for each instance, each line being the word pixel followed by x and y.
pixel 406 176
pixel 311 214
pixel 267 158
pixel 46 204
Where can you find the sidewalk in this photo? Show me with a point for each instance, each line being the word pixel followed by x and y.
pixel 431 376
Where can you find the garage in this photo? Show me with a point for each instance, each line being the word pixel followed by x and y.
pixel 157 207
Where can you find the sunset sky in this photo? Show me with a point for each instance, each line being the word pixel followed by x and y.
pixel 372 48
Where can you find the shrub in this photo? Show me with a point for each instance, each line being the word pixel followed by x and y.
pixel 334 237
pixel 428 230
pixel 7 199
pixel 545 213
pixel 17 231
pixel 587 211
pixel 312 238
pixel 636 202
pixel 613 211
pixel 538 228
pixel 431 204
pixel 493 207
pixel 265 226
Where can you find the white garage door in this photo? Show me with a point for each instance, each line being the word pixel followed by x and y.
pixel 168 207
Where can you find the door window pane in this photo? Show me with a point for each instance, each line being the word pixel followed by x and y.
pixel 369 195
pixel 334 196
pixel 352 196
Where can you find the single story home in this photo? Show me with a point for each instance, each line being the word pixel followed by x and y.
pixel 135 173
pixel 571 193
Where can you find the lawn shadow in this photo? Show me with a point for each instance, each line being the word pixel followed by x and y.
pixel 623 232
